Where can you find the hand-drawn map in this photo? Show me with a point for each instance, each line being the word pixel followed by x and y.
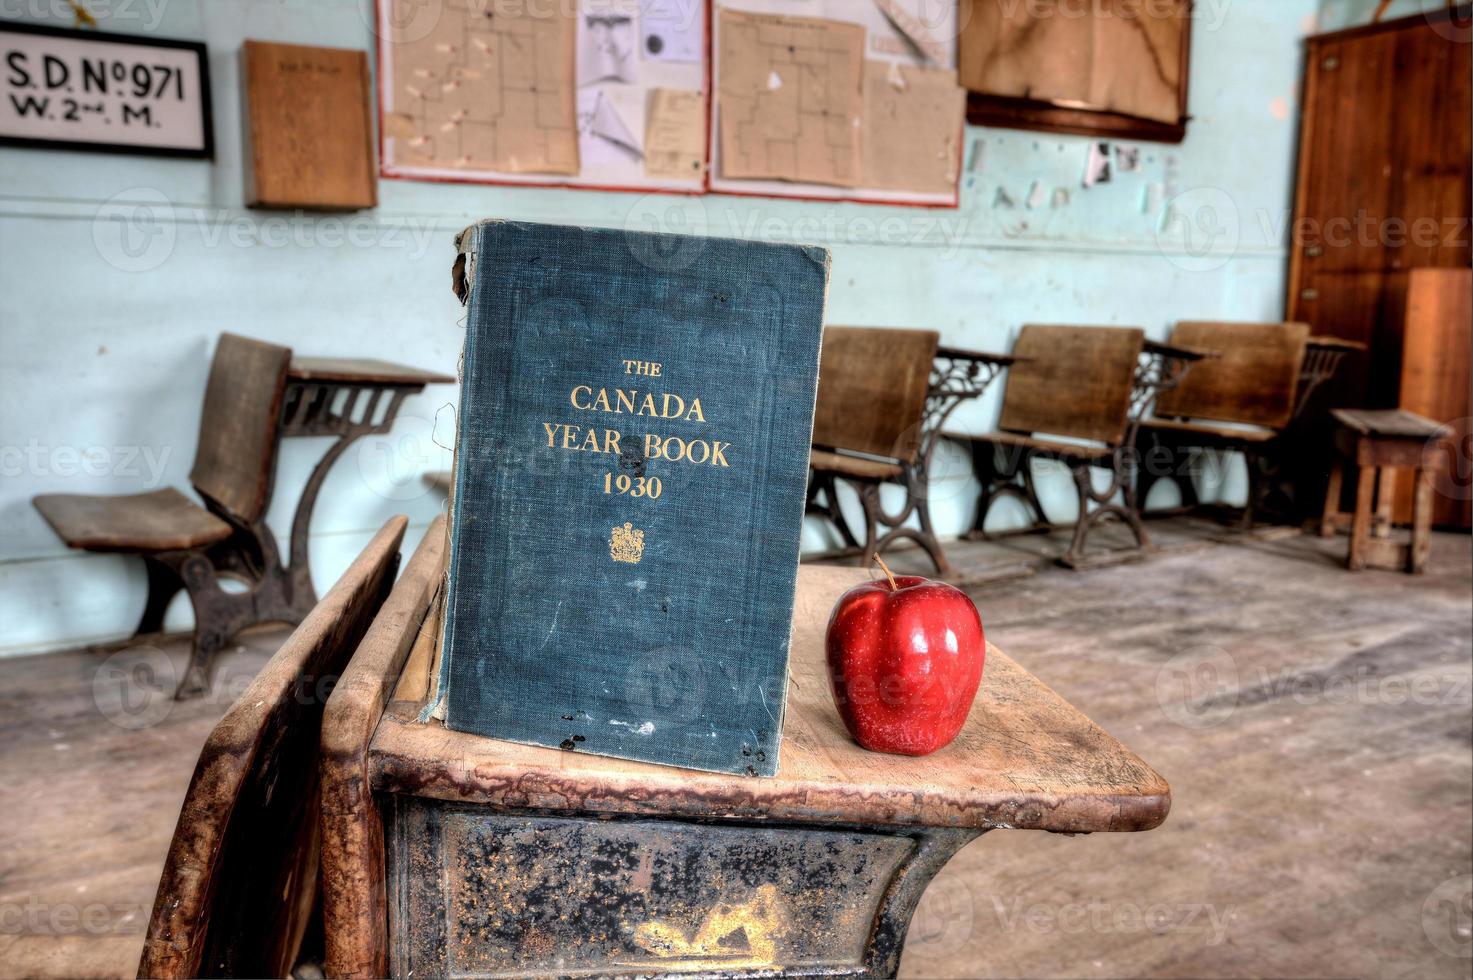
pixel 489 87
pixel 791 100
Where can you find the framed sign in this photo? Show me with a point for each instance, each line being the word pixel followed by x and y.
pixel 83 90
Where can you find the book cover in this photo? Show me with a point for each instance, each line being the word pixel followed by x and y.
pixel 631 463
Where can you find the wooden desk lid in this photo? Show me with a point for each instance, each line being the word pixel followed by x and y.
pixel 362 370
pixel 1026 760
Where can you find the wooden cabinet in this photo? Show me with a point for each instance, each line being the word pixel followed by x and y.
pixel 1384 184
pixel 1436 374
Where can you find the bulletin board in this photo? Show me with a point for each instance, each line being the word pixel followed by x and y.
pixel 836 100
pixel 819 99
pixel 606 94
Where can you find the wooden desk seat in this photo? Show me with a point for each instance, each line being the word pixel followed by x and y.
pixel 872 389
pixel 1040 447
pixel 1209 430
pixel 239 887
pixel 855 467
pixel 1253 381
pixel 505 859
pixel 187 546
pixel 1067 381
pixel 257 394
pixel 162 520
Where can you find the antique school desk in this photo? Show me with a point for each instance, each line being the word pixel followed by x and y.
pixel 453 855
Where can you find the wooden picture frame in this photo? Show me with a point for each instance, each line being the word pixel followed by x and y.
pixel 1008 112
pixel 40 106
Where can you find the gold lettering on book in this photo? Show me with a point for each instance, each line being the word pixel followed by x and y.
pixel 638 452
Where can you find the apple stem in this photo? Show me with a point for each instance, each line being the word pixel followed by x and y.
pixel 894 586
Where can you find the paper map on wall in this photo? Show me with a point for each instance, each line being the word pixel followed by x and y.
pixel 910 133
pixel 488 87
pixel 790 98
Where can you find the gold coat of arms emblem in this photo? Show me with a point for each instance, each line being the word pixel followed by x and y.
pixel 626 544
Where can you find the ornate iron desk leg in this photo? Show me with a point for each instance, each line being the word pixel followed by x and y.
pixel 957 376
pixel 349 411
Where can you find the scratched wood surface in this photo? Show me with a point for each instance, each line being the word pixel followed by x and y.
pixel 1027 759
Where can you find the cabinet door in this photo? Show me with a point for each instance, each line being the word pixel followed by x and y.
pixel 1384 182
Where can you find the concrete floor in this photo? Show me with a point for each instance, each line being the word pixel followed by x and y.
pixel 1314 725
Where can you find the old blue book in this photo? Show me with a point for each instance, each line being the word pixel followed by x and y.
pixel 631 462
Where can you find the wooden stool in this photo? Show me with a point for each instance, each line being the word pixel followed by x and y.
pixel 1379 443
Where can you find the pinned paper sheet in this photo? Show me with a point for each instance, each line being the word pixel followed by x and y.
pixel 675 134
pixel 791 102
pixel 1097 165
pixel 603 136
pixel 912 127
pixel 672 30
pixel 606 48
pixel 489 88
pixel 905 20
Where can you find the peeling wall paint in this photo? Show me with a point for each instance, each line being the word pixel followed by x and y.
pixel 119 271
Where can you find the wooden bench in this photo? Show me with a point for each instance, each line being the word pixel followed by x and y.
pixel 451 854
pixel 1069 398
pixel 1241 401
pixel 239 890
pixel 1379 443
pixel 257 394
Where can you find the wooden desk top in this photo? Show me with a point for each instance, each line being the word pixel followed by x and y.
pixel 1026 760
pixel 1392 423
pixel 362 370
pixel 1178 351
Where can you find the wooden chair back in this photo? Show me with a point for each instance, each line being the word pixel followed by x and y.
pixel 1072 381
pixel 872 385
pixel 235 460
pixel 1252 380
pixel 239 886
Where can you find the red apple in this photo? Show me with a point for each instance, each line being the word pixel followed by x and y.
pixel 905 658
